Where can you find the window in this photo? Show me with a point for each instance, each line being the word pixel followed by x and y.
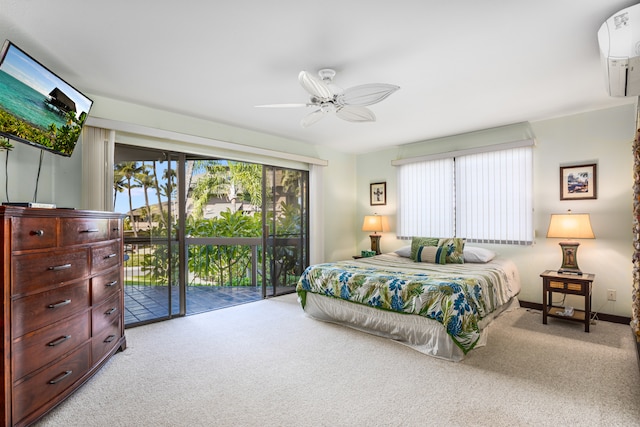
pixel 484 197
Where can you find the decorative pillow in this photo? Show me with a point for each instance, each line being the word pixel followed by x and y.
pixel 432 254
pixel 404 251
pixel 478 255
pixel 416 242
pixel 454 249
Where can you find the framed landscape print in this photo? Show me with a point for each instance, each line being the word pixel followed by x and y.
pixel 578 182
pixel 378 193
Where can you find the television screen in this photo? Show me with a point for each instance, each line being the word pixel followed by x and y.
pixel 36 106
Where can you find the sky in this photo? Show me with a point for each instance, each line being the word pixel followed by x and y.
pixel 24 68
pixel 137 194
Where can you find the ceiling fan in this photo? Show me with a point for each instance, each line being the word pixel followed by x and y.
pixel 348 104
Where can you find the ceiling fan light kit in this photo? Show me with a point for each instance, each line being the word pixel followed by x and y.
pixel 348 104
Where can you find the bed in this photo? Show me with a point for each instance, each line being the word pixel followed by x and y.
pixel 439 310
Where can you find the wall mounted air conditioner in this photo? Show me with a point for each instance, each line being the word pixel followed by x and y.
pixel 619 40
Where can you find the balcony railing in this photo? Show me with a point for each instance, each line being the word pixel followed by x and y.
pixel 220 272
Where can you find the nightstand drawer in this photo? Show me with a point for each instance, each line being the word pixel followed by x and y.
pixel 571 286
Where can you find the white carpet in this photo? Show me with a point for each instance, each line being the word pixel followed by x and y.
pixel 268 364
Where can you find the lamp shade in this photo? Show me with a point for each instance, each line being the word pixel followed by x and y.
pixel 570 226
pixel 372 223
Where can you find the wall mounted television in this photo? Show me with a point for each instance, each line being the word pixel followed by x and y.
pixel 36 106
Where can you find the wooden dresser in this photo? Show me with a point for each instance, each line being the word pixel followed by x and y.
pixel 63 313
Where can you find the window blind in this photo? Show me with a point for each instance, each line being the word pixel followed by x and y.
pixel 426 198
pixel 483 197
pixel 494 196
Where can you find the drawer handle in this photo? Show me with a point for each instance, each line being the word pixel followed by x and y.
pixel 60 267
pixel 59 341
pixel 115 229
pixel 60 377
pixel 108 285
pixel 90 230
pixel 110 311
pixel 110 256
pixel 37 233
pixel 59 304
pixel 109 338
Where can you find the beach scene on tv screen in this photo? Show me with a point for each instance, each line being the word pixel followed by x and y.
pixel 38 107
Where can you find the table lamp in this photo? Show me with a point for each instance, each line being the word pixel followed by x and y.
pixel 373 223
pixel 570 226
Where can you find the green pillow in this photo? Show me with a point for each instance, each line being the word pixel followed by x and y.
pixel 416 242
pixel 454 249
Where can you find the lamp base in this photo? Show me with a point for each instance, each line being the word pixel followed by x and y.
pixel 569 258
pixel 375 243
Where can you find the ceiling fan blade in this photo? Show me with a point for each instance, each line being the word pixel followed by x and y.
pixel 314 86
pixel 312 117
pixel 355 113
pixel 281 105
pixel 366 94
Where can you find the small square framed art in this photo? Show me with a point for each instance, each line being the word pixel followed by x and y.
pixel 578 182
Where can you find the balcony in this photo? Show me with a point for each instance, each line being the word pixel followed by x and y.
pixel 222 272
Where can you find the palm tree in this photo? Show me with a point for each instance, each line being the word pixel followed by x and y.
pixel 154 169
pixel 128 171
pixel 229 180
pixel 146 181
pixel 118 184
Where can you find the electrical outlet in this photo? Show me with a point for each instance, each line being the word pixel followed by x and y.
pixel 611 295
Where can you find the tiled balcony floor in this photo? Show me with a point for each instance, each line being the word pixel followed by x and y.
pixel 145 303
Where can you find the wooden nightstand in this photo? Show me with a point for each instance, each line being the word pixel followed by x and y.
pixel 552 281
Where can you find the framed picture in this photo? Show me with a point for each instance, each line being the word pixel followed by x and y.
pixel 378 193
pixel 578 182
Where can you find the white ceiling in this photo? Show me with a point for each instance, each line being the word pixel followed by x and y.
pixel 462 65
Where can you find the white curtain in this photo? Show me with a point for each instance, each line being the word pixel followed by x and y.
pixel 316 214
pixel 97 168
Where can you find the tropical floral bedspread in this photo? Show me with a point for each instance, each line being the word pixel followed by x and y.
pixel 456 295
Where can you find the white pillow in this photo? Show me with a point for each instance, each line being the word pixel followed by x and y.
pixel 478 255
pixel 405 251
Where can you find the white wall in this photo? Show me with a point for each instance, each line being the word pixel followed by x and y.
pixel 60 182
pixel 339 196
pixel 603 137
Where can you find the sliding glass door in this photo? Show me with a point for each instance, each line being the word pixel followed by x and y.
pixel 204 233
pixel 286 225
pixel 145 184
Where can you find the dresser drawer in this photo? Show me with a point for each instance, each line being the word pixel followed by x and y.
pixel 83 230
pixel 39 389
pixel 104 314
pixel 103 342
pixel 106 256
pixel 115 228
pixel 35 311
pixel 31 272
pixel 105 285
pixel 33 233
pixel 47 344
